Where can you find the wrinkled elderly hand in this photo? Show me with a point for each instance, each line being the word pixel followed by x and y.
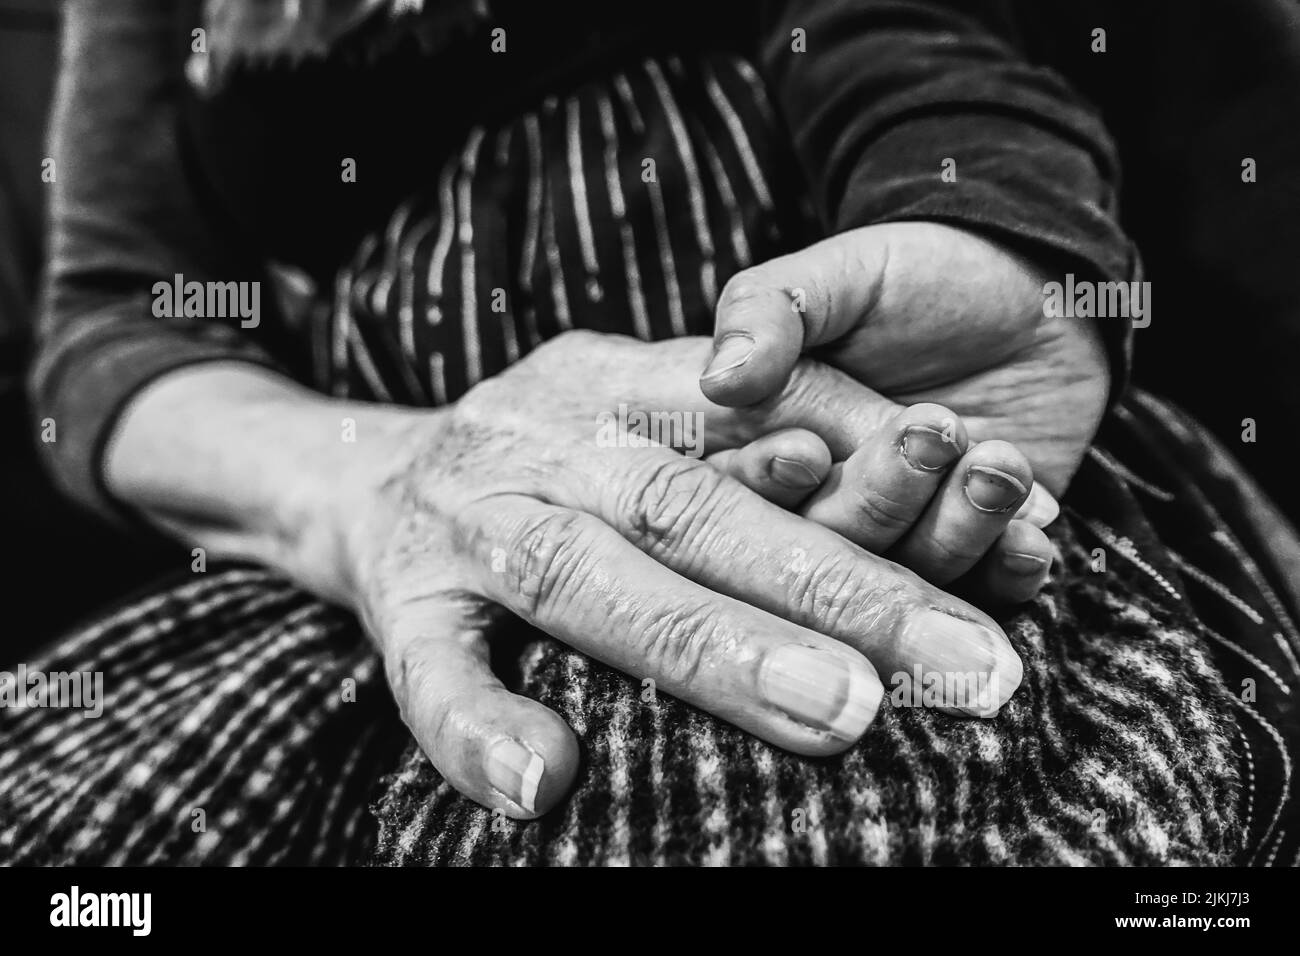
pixel 520 497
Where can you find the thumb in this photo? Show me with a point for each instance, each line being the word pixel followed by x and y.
pixel 500 749
pixel 890 294
pixel 769 314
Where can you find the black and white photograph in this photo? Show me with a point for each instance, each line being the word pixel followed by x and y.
pixel 650 434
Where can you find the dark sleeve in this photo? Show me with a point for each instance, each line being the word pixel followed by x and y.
pixel 122 218
pixel 889 89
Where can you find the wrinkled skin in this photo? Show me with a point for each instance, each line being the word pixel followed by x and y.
pixel 926 312
pixel 656 563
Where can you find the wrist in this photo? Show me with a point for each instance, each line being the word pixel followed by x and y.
pixel 248 464
pixel 353 501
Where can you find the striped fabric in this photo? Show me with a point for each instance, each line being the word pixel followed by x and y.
pixel 621 208
pixel 247 723
pixel 228 683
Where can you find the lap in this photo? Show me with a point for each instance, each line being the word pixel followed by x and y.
pixel 1153 725
pixel 243 722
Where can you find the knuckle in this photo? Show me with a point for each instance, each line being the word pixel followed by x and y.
pixel 806 387
pixel 829 591
pixel 852 412
pixel 578 338
pixel 412 679
pixel 543 558
pixel 487 402
pixel 741 288
pixel 803 399
pixel 564 347
pixel 874 509
pixel 867 266
pixel 842 597
pixel 808 397
pixel 818 299
pixel 677 644
pixel 674 498
pixel 808 299
pixel 948 554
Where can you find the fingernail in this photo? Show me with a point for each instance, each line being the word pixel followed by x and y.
pixel 927 449
pixel 991 490
pixel 732 352
pixel 821 689
pixel 1040 508
pixel 516 771
pixel 791 473
pixel 1024 564
pixel 976 667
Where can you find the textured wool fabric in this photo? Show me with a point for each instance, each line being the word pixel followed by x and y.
pixel 227 734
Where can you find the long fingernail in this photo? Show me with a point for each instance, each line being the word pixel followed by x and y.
pixel 976 667
pixel 991 490
pixel 731 353
pixel 821 689
pixel 1040 508
pixel 516 771
pixel 791 473
pixel 927 449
